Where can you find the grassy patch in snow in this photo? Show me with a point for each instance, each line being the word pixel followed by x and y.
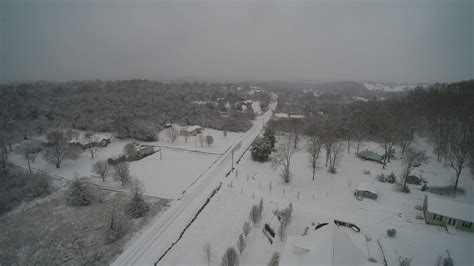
pixel 51 233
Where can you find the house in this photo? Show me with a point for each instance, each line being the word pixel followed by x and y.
pixel 448 213
pixel 365 190
pixel 190 130
pixel 326 244
pixel 371 156
pixel 97 140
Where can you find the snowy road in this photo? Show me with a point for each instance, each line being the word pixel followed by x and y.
pixel 153 241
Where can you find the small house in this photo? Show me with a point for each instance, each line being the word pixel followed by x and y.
pixel 190 130
pixel 448 213
pixel 371 156
pixel 365 190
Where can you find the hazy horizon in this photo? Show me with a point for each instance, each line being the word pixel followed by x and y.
pixel 316 41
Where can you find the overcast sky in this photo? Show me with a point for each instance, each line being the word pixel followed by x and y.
pixel 393 41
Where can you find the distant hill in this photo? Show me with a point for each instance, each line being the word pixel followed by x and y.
pixel 390 87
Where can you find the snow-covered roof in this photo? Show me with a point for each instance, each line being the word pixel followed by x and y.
pixel 284 115
pixel 366 187
pixel 449 208
pixel 328 245
pixel 191 128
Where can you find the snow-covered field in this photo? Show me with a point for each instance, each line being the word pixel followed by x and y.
pixel 182 163
pixel 328 197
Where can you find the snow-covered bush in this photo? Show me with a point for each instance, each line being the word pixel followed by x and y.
pixel 209 140
pixel 78 194
pixel 230 258
pixel 261 149
pixel 391 232
pixel 274 260
pixel 255 214
pixel 137 207
pixel 241 244
pixel 246 228
pixel 269 135
pixel 284 216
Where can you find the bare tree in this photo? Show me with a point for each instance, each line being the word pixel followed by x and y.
pixel 284 216
pixel 93 144
pixel 412 159
pixel 283 158
pixel 459 146
pixel 172 133
pixel 122 172
pixel 58 148
pixel 29 154
pixel 334 154
pixel 202 139
pixel 208 255
pixel 3 161
pixel 230 258
pixel 314 150
pixel 241 244
pixel 101 168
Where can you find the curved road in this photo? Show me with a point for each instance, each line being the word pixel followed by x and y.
pixel 151 242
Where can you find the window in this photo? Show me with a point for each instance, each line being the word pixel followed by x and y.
pixel 437 217
pixel 466 224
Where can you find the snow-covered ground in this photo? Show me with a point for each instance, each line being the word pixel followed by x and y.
pixel 220 145
pixel 328 197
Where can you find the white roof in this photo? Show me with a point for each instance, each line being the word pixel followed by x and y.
pixel 328 245
pixel 190 128
pixel 366 187
pixel 449 208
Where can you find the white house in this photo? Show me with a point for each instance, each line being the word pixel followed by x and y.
pixel 449 213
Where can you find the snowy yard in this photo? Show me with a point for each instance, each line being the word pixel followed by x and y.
pixel 328 197
pixel 166 178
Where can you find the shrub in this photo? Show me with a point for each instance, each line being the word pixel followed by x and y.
pixel 246 228
pixel 261 149
pixel 137 207
pixel 446 190
pixel 241 244
pixel 78 194
pixel 274 260
pixel 391 232
pixel 413 179
pixel 255 214
pixel 230 258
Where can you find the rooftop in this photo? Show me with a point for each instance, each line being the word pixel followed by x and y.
pixel 450 208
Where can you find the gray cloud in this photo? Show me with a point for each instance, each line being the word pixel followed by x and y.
pixel 401 41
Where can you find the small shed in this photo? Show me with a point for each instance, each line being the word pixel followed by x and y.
pixel 365 190
pixel 448 213
pixel 371 156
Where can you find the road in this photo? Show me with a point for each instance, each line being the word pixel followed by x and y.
pixel 150 243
